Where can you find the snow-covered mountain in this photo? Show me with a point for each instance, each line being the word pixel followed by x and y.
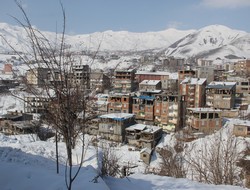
pixel 209 42
pixel 212 42
pixel 108 40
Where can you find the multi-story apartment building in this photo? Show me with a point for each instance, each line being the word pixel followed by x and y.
pixel 80 75
pixel 169 111
pixel 37 76
pixel 242 89
pixel 143 108
pixel 221 95
pixel 193 90
pixel 204 63
pixel 112 126
pixel 35 104
pixel 206 72
pixel 150 85
pixel 206 120
pixel 149 75
pixel 182 74
pixel 119 103
pixel 173 64
pixel 124 81
pixel 99 81
pixel 54 77
pixel 242 67
pixel 143 136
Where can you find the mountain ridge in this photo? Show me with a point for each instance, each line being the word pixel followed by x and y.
pixel 208 42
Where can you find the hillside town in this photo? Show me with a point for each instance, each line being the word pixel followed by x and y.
pixel 136 106
pixel 122 110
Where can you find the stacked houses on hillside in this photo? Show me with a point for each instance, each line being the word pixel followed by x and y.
pixel 138 106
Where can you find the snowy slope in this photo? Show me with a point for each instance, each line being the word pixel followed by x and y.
pixel 212 42
pixel 28 164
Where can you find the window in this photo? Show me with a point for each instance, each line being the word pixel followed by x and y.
pixel 203 115
pixel 211 116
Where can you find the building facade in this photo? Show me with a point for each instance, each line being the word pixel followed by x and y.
pixel 193 90
pixel 221 95
pixel 124 81
pixel 205 120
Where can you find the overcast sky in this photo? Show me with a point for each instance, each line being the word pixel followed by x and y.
pixel 88 16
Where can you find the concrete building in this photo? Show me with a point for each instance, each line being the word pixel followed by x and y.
pixel 204 63
pixel 124 81
pixel 169 111
pixel 112 126
pixel 241 130
pixel 221 95
pixel 99 81
pixel 143 108
pixel 205 120
pixel 150 75
pixel 149 85
pixel 119 103
pixel 34 104
pixel 193 90
pixel 173 64
pixel 242 67
pixel 242 89
pixel 80 76
pixel 205 72
pixel 143 136
pixel 182 74
pixel 37 76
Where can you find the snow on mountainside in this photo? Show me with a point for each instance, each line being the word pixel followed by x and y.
pixel 108 40
pixel 212 41
pixel 209 42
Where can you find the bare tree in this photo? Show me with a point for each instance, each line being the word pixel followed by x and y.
pixel 69 109
pixel 109 162
pixel 172 161
pixel 214 161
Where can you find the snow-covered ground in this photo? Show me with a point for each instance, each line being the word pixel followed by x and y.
pixel 26 163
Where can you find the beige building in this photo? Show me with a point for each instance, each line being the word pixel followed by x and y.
pixel 206 120
pixel 242 67
pixel 37 76
pixel 221 95
pixel 124 81
pixel 143 136
pixel 241 130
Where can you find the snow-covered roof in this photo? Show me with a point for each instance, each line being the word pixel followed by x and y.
pixel 150 82
pixel 152 73
pixel 194 81
pixel 204 110
pixel 137 126
pixel 221 85
pixel 147 150
pixel 117 116
pixel 151 129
